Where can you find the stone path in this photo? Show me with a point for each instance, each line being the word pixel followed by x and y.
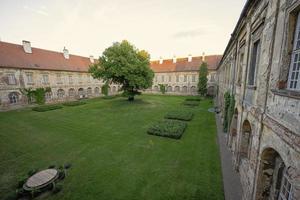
pixel 231 179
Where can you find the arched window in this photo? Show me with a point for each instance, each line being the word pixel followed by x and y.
pixel 177 89
pixel 13 97
pixel 156 88
pixel 81 92
pixel 233 131
pixel 97 91
pixel 246 140
pixel 89 91
pixel 48 95
pixel 60 93
pixel 71 92
pixel 193 89
pixel 169 89
pixel 184 89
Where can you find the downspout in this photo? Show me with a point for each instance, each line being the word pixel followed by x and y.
pixel 266 97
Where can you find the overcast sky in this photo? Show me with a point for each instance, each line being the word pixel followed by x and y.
pixel 86 27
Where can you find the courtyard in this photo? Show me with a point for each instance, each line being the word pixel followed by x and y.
pixel 112 155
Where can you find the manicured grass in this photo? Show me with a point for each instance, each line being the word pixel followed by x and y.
pixel 74 103
pixel 112 157
pixel 185 115
pixel 45 108
pixel 191 103
pixel 168 128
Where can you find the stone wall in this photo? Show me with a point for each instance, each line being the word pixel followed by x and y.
pixel 270 109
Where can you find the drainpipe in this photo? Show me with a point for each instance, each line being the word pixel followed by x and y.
pixel 266 97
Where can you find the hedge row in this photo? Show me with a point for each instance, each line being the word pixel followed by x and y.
pixel 193 99
pixel 180 115
pixel 191 103
pixel 168 128
pixel 74 103
pixel 46 108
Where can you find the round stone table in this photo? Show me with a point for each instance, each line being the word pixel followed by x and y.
pixel 41 179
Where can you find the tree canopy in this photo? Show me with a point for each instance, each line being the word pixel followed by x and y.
pixel 122 63
pixel 202 84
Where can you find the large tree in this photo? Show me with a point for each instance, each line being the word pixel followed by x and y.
pixel 202 84
pixel 124 64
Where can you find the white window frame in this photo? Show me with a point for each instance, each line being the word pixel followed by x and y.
pixel 286 189
pixel 294 72
pixel 11 79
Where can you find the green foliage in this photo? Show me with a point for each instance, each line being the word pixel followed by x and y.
pixel 162 88
pixel 31 172
pixel 104 89
pixel 191 103
pixel 38 94
pixel 193 99
pixel 231 109
pixel 57 188
pixel 74 103
pixel 202 84
pixel 124 64
pixel 226 108
pixel 180 115
pixel 46 108
pixel 168 128
pixel 12 196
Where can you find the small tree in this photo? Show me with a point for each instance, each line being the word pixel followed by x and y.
pixel 104 89
pixel 38 94
pixel 202 84
pixel 162 88
pixel 124 64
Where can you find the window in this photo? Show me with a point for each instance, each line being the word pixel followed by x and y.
pixel 177 78
pixel 254 62
pixel 286 190
pixel 70 79
pixel 193 78
pixel 60 93
pixel 48 95
pixel 45 79
pixel 29 78
pixel 58 79
pixel 13 97
pixel 240 69
pixel 294 76
pixel 162 78
pixel 170 78
pixel 11 79
pixel 185 78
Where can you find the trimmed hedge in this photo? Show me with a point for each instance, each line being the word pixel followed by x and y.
pixel 193 99
pixel 180 115
pixel 168 128
pixel 191 103
pixel 46 108
pixel 74 103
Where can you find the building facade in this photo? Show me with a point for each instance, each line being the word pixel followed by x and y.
pixel 180 75
pixel 260 68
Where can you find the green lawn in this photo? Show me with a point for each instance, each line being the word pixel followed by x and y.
pixel 112 155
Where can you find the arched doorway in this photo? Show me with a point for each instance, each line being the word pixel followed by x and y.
pixel 13 97
pixel 71 92
pixel 184 89
pixel 211 91
pixel 89 91
pixel 81 93
pixel 246 136
pixel 177 89
pixel 169 89
pixel 97 91
pixel 114 89
pixel 193 89
pixel 60 93
pixel 156 88
pixel 273 181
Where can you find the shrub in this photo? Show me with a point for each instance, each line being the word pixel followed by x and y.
pixel 31 172
pixel 67 165
pixel 21 182
pixel 191 103
pixel 162 88
pixel 51 166
pixel 57 188
pixel 168 128
pixel 193 99
pixel 74 103
pixel 46 108
pixel 12 196
pixel 180 115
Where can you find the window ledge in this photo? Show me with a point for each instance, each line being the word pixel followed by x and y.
pixel 252 87
pixel 287 93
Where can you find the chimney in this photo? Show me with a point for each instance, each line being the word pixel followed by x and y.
pixel 203 57
pixel 27 46
pixel 161 60
pixel 66 53
pixel 190 58
pixel 174 59
pixel 92 59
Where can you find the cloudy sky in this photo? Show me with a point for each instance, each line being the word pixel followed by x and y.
pixel 86 27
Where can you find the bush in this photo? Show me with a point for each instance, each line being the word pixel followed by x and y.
pixel 180 115
pixel 51 166
pixel 21 182
pixel 168 128
pixel 46 108
pixel 191 103
pixel 193 99
pixel 12 196
pixel 31 172
pixel 67 165
pixel 57 188
pixel 74 103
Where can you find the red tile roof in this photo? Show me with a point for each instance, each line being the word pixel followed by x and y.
pixel 13 55
pixel 182 64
